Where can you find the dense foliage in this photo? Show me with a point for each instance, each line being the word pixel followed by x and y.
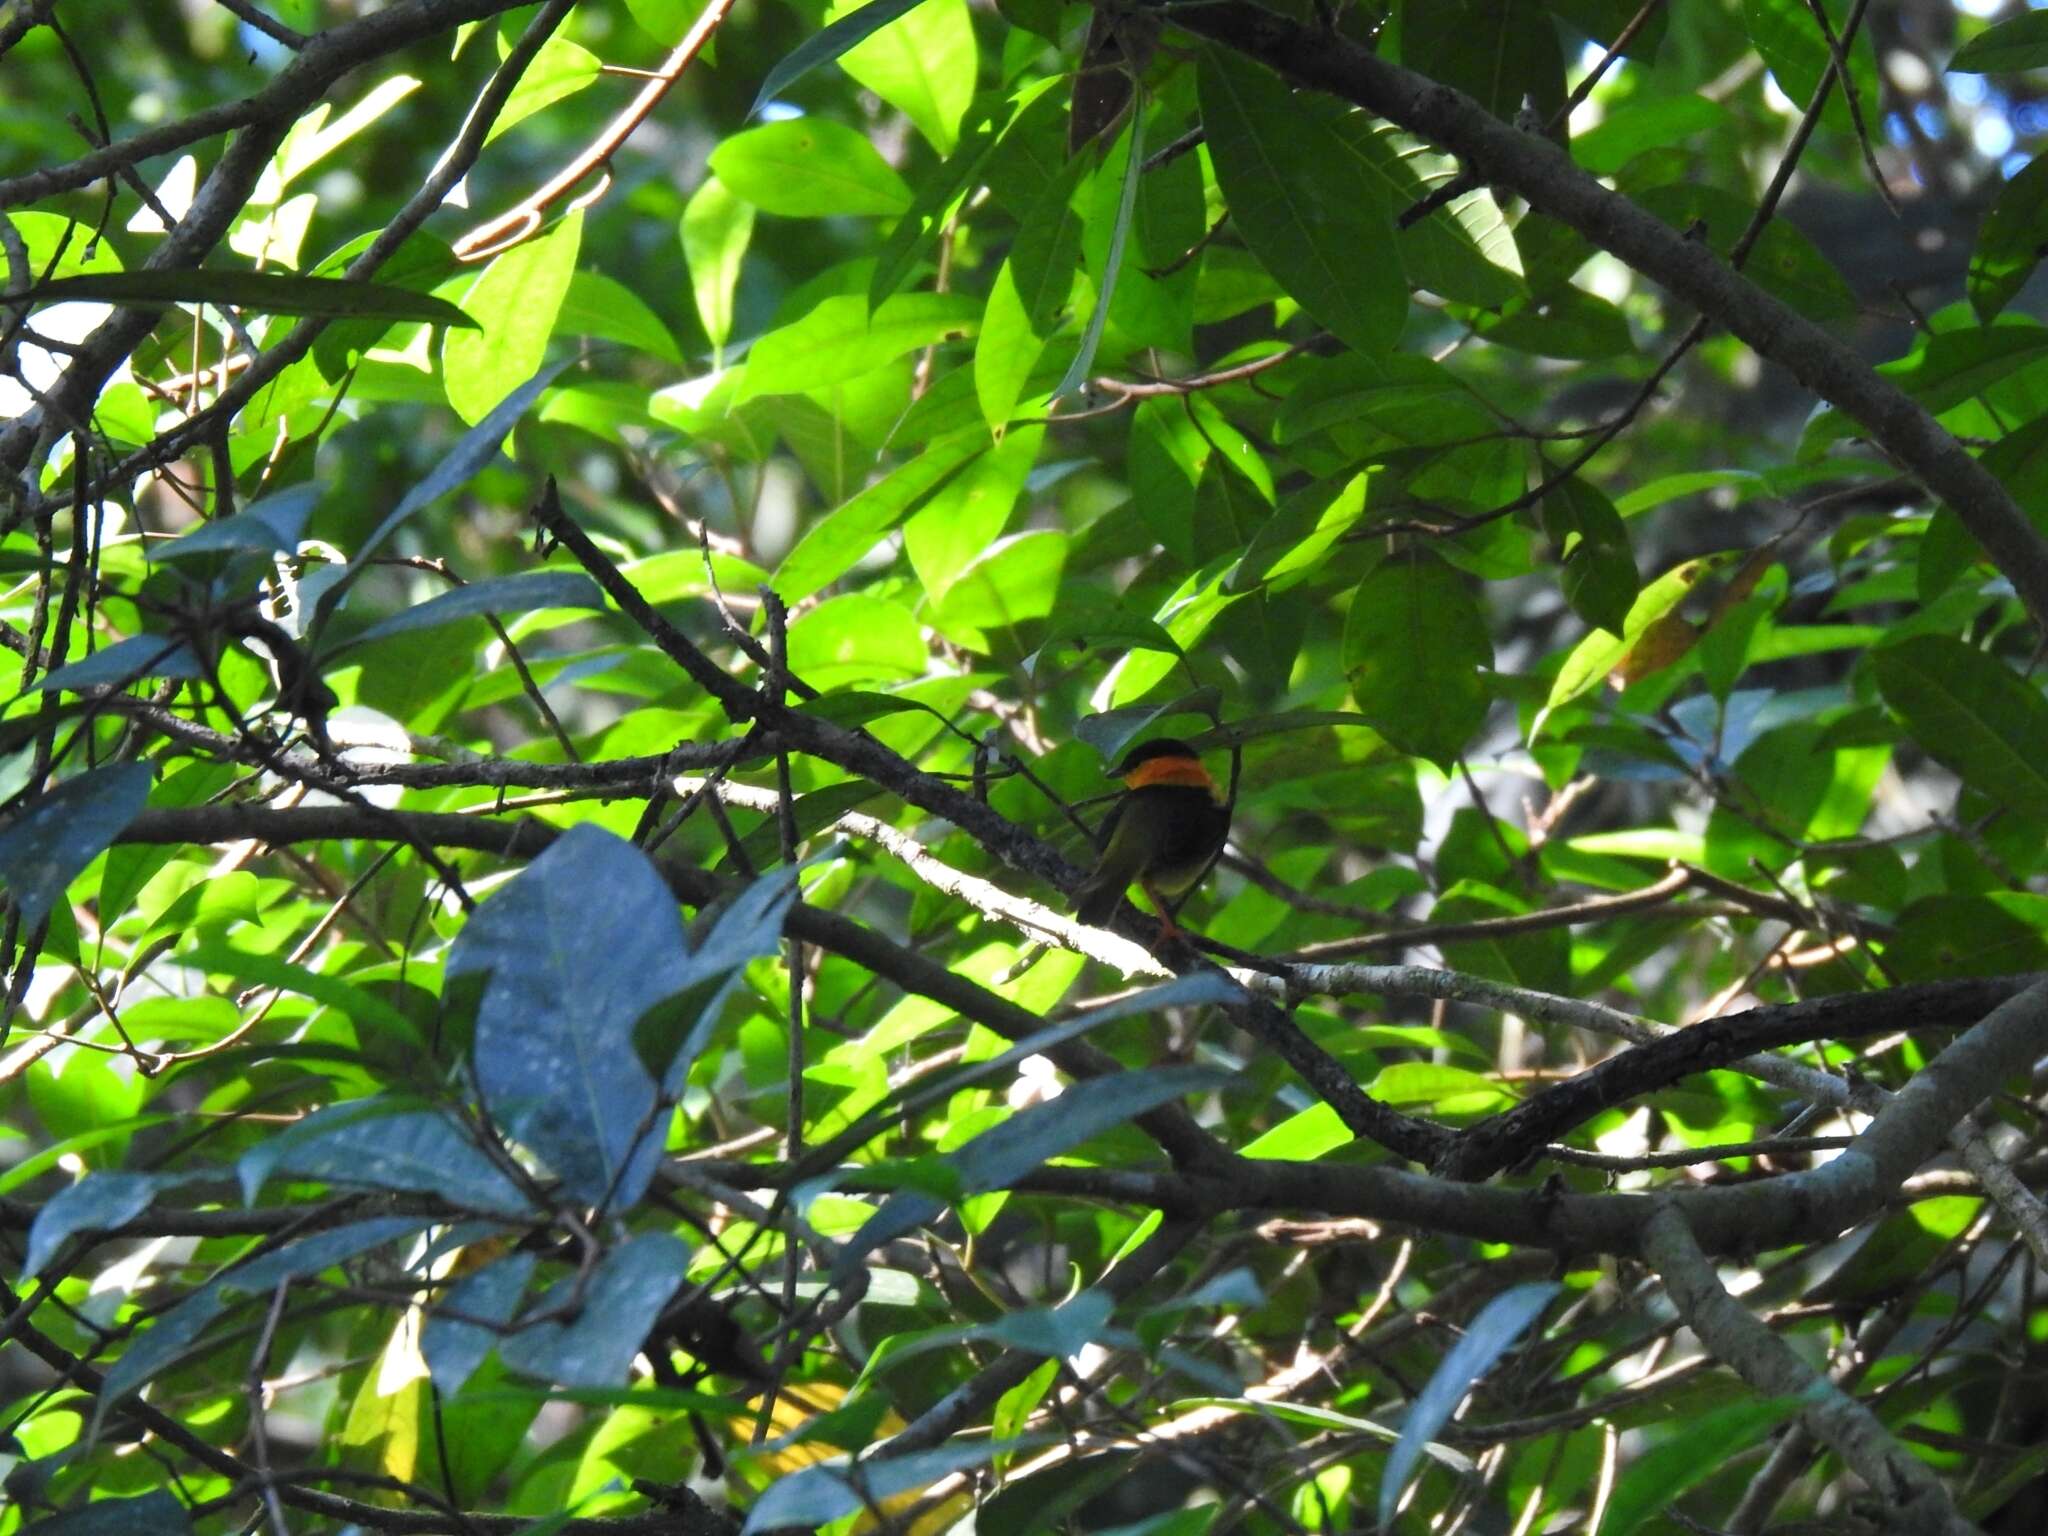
pixel 574 570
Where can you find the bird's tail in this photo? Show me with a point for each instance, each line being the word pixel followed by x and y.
pixel 1095 900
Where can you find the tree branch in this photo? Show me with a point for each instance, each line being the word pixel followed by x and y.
pixel 1916 1500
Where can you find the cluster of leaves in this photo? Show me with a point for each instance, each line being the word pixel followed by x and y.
pixel 906 424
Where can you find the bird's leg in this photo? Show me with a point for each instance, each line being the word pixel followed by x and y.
pixel 1169 930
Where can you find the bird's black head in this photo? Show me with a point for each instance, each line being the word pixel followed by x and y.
pixel 1151 751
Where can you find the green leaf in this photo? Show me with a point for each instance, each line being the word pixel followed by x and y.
pixel 834 544
pixel 157 1513
pixel 1003 1154
pixel 1028 298
pixel 809 168
pixel 2020 42
pixel 1565 322
pixel 553 1052
pixel 1959 933
pixel 1596 656
pixel 124 662
pixel 596 305
pixel 1540 960
pixel 665 20
pixel 1790 786
pixel 856 638
pixel 961 520
pixel 839 340
pixel 1466 250
pixel 1301 1137
pixel 273 525
pixel 1644 123
pixel 1008 349
pixel 459 1333
pixel 813 1495
pixel 99 1202
pixel 1377 401
pixel 477 447
pixel 822 47
pixel 716 227
pixel 1298 199
pixel 937 199
pixel 271 293
pixel 616 1304
pixel 1414 645
pixel 1131 145
pixel 523 593
pixel 669 1037
pixel 1783 261
pixel 1706 1445
pixel 1972 713
pixel 51 840
pixel 1011 582
pixel 386 1144
pixel 2010 238
pixel 1486 1338
pixel 2020 460
pixel 167 1340
pixel 560 69
pixel 1498 52
pixel 517 299
pixel 1954 366
pixel 1798 56
pixel 1598 571
pixel 1093 619
pixel 216 957
pixel 922 62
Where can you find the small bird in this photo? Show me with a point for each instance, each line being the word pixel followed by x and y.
pixel 1163 834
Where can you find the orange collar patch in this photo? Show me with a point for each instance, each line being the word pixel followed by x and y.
pixel 1186 771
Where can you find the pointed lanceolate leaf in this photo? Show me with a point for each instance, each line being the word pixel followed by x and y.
pixel 54 837
pixel 827 44
pixel 275 293
pixel 1300 201
pixel 179 1329
pixel 459 1332
pixel 270 526
pixel 923 64
pixel 1972 713
pixel 2015 44
pixel 476 448
pixel 1491 1334
pixel 669 1036
pixel 839 340
pixel 309 1255
pixel 2010 240
pixel 809 168
pixel 1105 293
pixel 595 1346
pixel 518 299
pixel 1000 1156
pixel 524 593
pixel 574 951
pixel 124 662
pixel 150 1514
pixel 838 541
pixel 715 229
pixel 1415 644
pixel 99 1202
pixel 384 1144
pixel 166 1341
pixel 1596 568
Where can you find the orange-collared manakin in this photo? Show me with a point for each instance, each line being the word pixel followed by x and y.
pixel 1164 832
